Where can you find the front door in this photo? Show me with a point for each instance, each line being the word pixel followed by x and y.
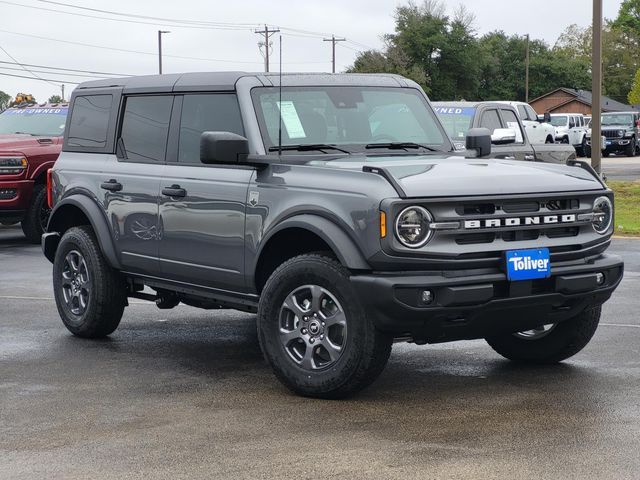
pixel 202 207
pixel 132 181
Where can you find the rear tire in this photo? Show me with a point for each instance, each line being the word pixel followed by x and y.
pixel 562 341
pixel 310 358
pixel 35 220
pixel 89 294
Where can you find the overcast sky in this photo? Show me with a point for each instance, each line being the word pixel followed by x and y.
pixel 362 22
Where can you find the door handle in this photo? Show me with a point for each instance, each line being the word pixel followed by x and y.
pixel 174 191
pixel 112 185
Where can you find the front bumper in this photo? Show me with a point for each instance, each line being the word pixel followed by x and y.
pixel 476 304
pixel 616 144
pixel 15 196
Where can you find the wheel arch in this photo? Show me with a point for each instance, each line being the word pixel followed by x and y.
pixel 78 210
pixel 303 234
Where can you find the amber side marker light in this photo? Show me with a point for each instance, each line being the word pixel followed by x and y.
pixel 49 189
pixel 383 224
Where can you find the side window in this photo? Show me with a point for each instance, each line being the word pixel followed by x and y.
pixel 522 112
pixel 512 122
pixel 89 121
pixel 572 121
pixel 206 113
pixel 531 114
pixel 145 127
pixel 490 120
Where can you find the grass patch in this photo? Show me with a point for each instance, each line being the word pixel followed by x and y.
pixel 627 207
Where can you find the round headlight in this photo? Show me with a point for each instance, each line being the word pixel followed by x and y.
pixel 412 226
pixel 603 214
pixel 621 133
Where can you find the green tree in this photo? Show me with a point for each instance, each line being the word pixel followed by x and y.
pixel 55 99
pixel 634 94
pixel 5 100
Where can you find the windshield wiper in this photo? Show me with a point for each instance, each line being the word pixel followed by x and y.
pixel 400 146
pixel 305 147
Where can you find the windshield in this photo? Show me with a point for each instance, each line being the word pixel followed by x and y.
pixel 560 121
pixel 352 117
pixel 456 120
pixel 34 121
pixel 617 119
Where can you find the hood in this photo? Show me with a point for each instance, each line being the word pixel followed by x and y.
pixel 17 141
pixel 429 176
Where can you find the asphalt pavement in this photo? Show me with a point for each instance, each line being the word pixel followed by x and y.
pixel 620 168
pixel 185 393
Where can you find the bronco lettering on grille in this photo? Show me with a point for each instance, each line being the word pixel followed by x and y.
pixel 519 221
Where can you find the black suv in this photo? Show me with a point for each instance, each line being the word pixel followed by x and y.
pixel 333 206
pixel 622 134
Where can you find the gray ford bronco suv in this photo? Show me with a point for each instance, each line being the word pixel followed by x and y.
pixel 335 207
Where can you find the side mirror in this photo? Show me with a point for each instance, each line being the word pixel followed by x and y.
pixel 546 118
pixel 223 147
pixel 501 136
pixel 479 139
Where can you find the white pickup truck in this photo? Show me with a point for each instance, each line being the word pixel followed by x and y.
pixel 538 132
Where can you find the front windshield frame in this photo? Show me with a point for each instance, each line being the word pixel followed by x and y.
pixel 11 121
pixel 559 120
pixel 611 115
pixel 443 146
pixel 460 115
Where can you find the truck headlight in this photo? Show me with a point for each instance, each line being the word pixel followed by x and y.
pixel 412 227
pixel 602 215
pixel 12 165
pixel 621 133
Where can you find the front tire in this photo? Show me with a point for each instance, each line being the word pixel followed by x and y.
pixel 549 344
pixel 313 330
pixel 630 150
pixel 35 220
pixel 89 294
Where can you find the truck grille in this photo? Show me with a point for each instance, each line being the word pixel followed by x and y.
pixel 612 133
pixel 485 229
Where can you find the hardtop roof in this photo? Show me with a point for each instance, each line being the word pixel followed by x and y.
pixel 221 81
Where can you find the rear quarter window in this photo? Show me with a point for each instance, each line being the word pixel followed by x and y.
pixel 89 122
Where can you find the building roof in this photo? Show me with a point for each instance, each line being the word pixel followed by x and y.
pixel 586 97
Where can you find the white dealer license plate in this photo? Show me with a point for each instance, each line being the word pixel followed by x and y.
pixel 528 264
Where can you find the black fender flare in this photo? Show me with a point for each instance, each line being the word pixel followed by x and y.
pixel 98 222
pixel 340 242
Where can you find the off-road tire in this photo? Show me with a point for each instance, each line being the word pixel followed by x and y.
pixel 31 224
pixel 366 350
pixel 106 296
pixel 630 150
pixel 565 340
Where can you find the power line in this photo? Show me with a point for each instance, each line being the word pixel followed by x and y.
pixel 190 22
pixel 146 17
pixel 48 80
pixel 54 73
pixel 66 69
pixel 25 68
pixel 168 23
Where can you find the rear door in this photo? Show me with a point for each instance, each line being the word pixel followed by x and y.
pixel 132 180
pixel 202 207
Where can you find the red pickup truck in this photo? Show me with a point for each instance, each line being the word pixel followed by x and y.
pixel 30 142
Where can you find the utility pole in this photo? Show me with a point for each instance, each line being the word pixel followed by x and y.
pixel 333 41
pixel 596 86
pixel 526 73
pixel 160 32
pixel 267 33
pixel 62 92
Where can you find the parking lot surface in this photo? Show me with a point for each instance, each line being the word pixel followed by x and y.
pixel 621 168
pixel 185 393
